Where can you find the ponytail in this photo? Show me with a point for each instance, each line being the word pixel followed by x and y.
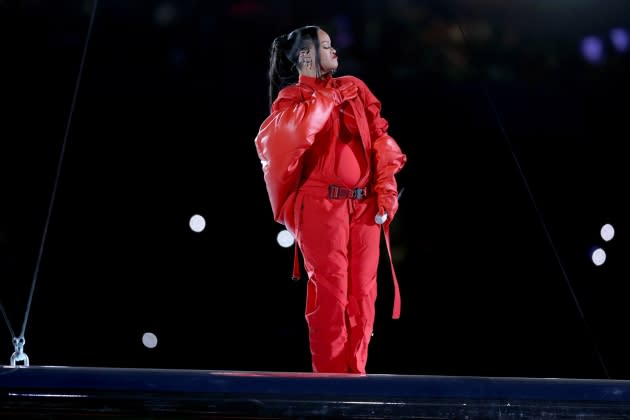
pixel 281 69
pixel 283 58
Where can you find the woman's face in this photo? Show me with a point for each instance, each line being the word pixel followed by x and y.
pixel 327 57
pixel 327 54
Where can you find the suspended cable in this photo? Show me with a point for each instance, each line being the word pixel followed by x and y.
pixel 19 341
pixel 541 219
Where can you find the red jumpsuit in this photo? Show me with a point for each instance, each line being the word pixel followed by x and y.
pixel 325 162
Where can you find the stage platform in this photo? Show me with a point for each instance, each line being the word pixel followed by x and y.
pixel 66 392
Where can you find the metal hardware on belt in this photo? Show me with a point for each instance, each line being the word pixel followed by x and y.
pixel 335 192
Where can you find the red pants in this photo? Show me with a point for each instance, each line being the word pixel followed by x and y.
pixel 340 245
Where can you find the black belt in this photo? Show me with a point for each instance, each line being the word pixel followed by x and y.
pixel 336 192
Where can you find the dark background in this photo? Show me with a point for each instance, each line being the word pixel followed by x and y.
pixel 516 157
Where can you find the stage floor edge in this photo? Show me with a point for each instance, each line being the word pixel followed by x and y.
pixel 66 392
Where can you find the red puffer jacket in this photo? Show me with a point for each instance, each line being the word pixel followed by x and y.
pixel 299 115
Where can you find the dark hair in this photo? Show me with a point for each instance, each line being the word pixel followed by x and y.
pixel 283 58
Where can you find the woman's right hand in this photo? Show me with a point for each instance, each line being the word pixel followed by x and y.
pixel 387 204
pixel 345 93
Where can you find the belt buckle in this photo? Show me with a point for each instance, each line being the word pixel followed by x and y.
pixel 333 191
pixel 358 193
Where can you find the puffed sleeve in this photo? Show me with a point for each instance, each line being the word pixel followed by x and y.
pixel 282 139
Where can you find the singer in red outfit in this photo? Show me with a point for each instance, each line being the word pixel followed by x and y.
pixel 329 167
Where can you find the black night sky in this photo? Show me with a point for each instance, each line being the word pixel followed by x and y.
pixel 513 116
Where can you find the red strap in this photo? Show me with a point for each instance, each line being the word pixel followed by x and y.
pixel 296 263
pixel 396 311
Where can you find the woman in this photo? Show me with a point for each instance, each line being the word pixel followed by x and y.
pixel 329 167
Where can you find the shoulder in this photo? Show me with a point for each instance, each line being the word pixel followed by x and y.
pixel 290 92
pixel 287 96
